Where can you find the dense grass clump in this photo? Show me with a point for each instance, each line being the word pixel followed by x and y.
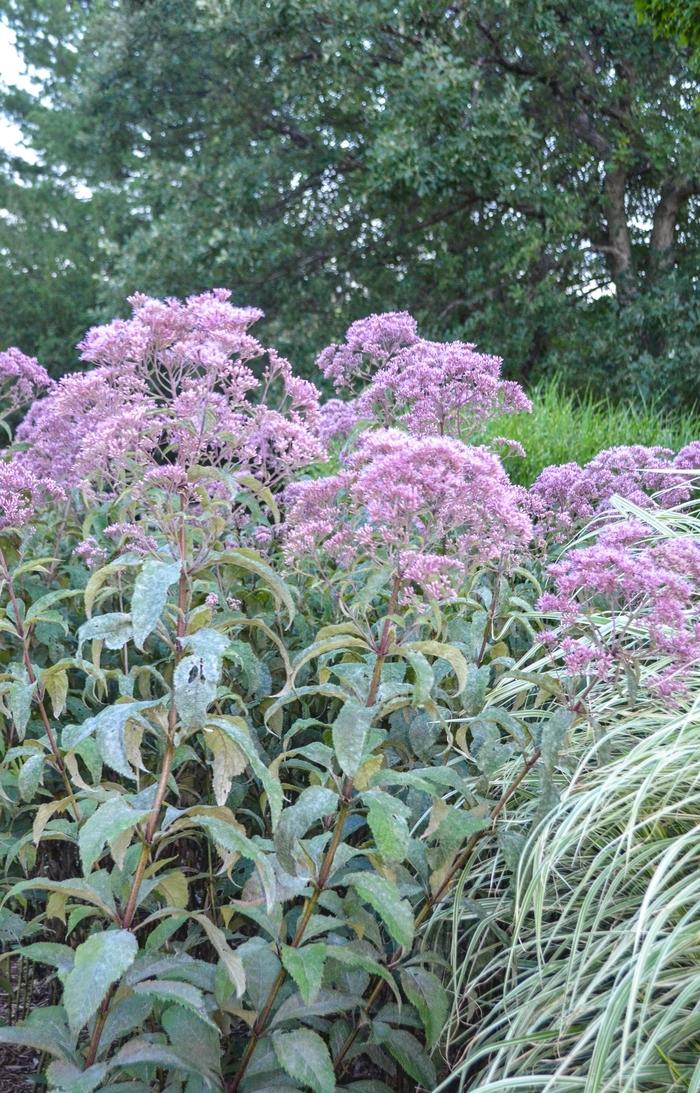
pixel 565 427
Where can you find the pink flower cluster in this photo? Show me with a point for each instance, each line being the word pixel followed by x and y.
pixel 628 596
pixel 369 343
pixel 174 384
pixel 22 493
pixel 444 388
pixel 565 497
pixel 22 379
pixel 431 507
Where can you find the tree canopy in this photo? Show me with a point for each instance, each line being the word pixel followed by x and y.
pixel 523 174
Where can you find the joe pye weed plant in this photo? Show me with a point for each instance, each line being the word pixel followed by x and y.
pixel 230 781
pixel 262 719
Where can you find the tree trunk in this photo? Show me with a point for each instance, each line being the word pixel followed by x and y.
pixel 663 234
pixel 620 243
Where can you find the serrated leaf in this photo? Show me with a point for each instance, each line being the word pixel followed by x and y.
pixel 311 805
pixel 237 730
pixel 252 562
pixel 114 629
pixel 109 727
pixel 386 817
pixel 195 681
pixel 350 730
pixel 68 1078
pixel 142 1051
pixel 446 652
pixel 408 1053
pixel 19 699
pixel 228 761
pixel 305 1057
pixel 150 596
pixel 37 609
pixel 305 965
pixel 99 962
pixel 424 990
pixel 56 684
pixel 174 888
pixel 175 990
pixel 354 958
pixel 229 837
pixel 107 822
pixel 383 896
pixel 30 777
pixel 230 960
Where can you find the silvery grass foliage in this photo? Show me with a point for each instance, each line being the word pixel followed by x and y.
pixel 583 972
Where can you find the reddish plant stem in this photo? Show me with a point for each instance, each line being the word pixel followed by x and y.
pixel 144 859
pixel 263 1018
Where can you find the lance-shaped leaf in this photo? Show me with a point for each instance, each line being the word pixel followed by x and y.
pixel 114 629
pixel 68 1078
pixel 108 821
pixel 237 730
pixel 384 897
pixel 408 1053
pixel 337 643
pixel 447 652
pixel 350 730
pixel 306 966
pixel 252 562
pixel 30 777
pixel 387 818
pixel 305 1057
pixel 19 699
pixel 311 805
pixel 109 726
pixel 230 838
pixel 150 596
pixel 425 991
pixel 99 962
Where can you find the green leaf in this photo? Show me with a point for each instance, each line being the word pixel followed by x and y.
pixel 138 1052
pixel 228 837
pixel 356 958
pixel 408 1053
pixel 387 818
pixel 52 953
pixel 424 990
pixel 41 605
pixel 114 629
pixel 305 1057
pixel 111 819
pixel 195 681
pixel 305 965
pixel 38 1039
pixel 384 897
pixel 252 562
pixel 311 805
pixel 350 730
pixel 30 777
pixel 334 644
pixel 174 990
pixel 99 962
pixel 230 960
pixel 150 596
pixel 446 652
pixel 109 726
pixel 237 730
pixel 68 1078
pixel 19 697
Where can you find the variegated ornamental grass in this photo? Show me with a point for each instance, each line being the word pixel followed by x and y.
pixel 277 731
